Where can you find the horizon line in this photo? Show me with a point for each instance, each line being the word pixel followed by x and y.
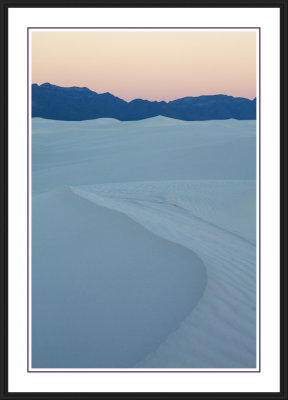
pixel 138 98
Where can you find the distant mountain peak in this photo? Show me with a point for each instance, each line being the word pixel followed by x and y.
pixel 47 85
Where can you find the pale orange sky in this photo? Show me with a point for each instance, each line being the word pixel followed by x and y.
pixel 148 64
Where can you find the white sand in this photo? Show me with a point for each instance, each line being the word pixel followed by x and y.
pixel 167 277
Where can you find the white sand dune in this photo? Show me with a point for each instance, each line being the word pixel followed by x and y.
pixel 105 291
pixel 81 153
pixel 221 330
pixel 164 213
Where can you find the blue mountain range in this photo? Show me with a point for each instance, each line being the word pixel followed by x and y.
pixel 80 103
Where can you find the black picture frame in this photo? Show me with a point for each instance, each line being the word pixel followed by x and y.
pixel 5 6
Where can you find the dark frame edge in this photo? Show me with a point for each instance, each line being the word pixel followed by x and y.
pixel 283 199
pixel 283 394
pixel 144 3
pixel 4 201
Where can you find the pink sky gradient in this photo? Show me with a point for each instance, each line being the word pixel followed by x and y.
pixel 148 64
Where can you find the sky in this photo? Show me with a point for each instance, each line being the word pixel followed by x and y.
pixel 148 64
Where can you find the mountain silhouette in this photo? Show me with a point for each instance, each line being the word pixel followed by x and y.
pixel 80 103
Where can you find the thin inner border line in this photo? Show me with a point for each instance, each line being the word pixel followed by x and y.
pixel 28 203
pixel 142 27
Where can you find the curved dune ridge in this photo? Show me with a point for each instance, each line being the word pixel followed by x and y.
pixel 144 244
pixel 105 291
pixel 221 331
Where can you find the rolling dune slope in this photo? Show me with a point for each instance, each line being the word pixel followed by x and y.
pixel 144 244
